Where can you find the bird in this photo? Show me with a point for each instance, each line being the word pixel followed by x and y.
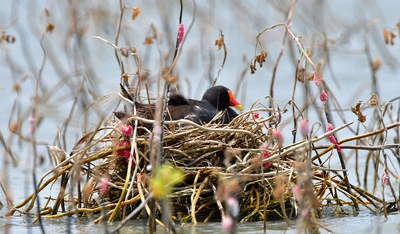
pixel 215 99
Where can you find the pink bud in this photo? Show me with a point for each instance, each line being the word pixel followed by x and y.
pixel 104 185
pixel 296 193
pixel 233 205
pixel 31 120
pixel 120 153
pixel 83 141
pixel 126 130
pixel 315 78
pixel 127 153
pixel 227 223
pixel 338 148
pixel 277 134
pixel 264 146
pixel 385 178
pixel 133 162
pixel 304 213
pixel 256 115
pixel 331 137
pixel 277 117
pixel 329 127
pixel 323 97
pixel 267 164
pixel 180 33
pixel 304 127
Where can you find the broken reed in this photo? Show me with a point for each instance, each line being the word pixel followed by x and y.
pixel 213 158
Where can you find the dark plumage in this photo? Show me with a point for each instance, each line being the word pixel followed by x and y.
pixel 215 99
pixel 221 98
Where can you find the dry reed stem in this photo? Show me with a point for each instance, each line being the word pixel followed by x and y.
pixel 191 142
pixel 244 173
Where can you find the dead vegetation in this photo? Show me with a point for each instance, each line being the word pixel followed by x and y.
pixel 180 172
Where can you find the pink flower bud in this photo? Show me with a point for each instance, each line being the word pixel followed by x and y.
pixel 233 205
pixel 120 153
pixel 323 97
pixel 180 33
pixel 304 213
pixel 329 127
pixel 385 178
pixel 315 78
pixel 31 120
pixel 331 137
pixel 127 153
pixel 126 130
pixel 264 146
pixel 304 127
pixel 256 115
pixel 227 223
pixel 83 140
pixel 133 162
pixel 338 148
pixel 277 117
pixel 104 185
pixel 267 164
pixel 277 134
pixel 296 193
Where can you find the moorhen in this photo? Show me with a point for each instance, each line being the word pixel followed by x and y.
pixel 215 99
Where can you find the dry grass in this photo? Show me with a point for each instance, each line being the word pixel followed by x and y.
pixel 216 160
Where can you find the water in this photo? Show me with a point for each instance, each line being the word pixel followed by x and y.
pixel 363 223
pixel 341 21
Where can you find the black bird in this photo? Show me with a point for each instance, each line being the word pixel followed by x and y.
pixel 215 99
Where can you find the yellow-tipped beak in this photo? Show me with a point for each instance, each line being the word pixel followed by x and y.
pixel 233 102
pixel 239 107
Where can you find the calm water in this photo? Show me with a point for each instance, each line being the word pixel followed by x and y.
pixel 363 223
pixel 341 21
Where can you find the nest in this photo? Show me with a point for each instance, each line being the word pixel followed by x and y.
pixel 240 160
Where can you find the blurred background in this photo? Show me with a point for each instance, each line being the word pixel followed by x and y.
pixel 53 42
